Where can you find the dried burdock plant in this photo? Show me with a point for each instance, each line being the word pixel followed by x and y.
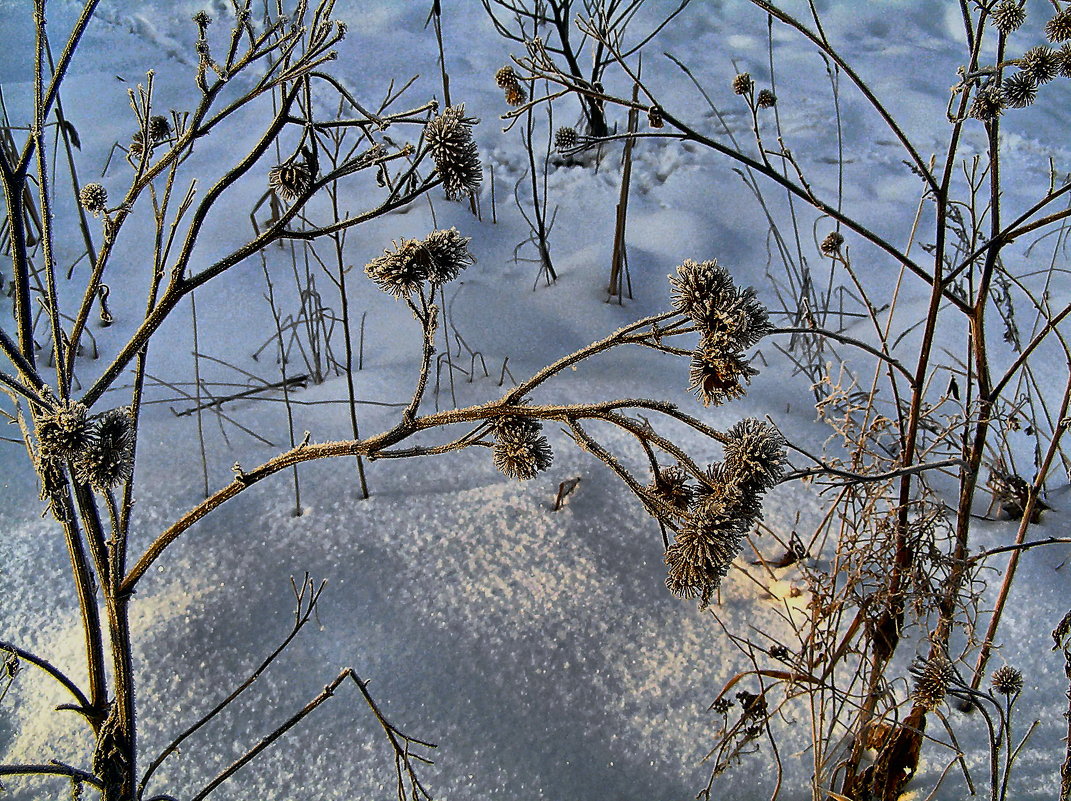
pixel 913 395
pixel 262 75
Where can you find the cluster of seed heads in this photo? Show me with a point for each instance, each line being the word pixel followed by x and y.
pixel 1036 67
pixel 729 319
pixel 520 451
pixel 100 448
pixel 438 258
pixel 291 180
pixel 744 85
pixel 507 80
pixel 717 512
pixel 452 148
pixel 93 198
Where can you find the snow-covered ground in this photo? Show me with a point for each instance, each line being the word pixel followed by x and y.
pixel 538 648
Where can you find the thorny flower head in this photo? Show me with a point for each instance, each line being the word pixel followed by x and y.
pixel 670 484
pixel 742 84
pixel 64 432
pixel 720 495
pixel 400 272
pixel 755 454
pixel 565 139
pixel 447 255
pixel 159 128
pixel 449 138
pixel 93 198
pixel 1065 59
pixel 701 555
pixel 1020 90
pixel 515 95
pixel 520 451
pixel 716 374
pixel 988 103
pixel 766 99
pixel 831 245
pixel 1007 680
pixel 290 180
pixel 109 459
pixel 439 258
pixel 932 679
pixel 730 318
pixel 1009 16
pixel 1058 29
pixel 1041 63
pixel 505 76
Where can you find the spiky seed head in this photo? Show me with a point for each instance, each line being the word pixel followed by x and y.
pixel 718 495
pixel 93 198
pixel 831 245
pixel 1008 16
pixel 516 426
pixel 1064 54
pixel 64 432
pixel 728 317
pixel 515 95
pixel 565 139
pixel 449 138
pixel 742 84
pixel 655 117
pixel 699 286
pixel 109 459
pixel 159 128
pixel 701 555
pixel 766 99
pixel 722 705
pixel 670 484
pixel 202 19
pixel 137 143
pixel 505 77
pixel 400 271
pixel 1058 29
pixel 1007 680
pixel 520 451
pixel 290 180
pixel 932 680
pixel 716 374
pixel 753 705
pixel 988 103
pixel 754 454
pixel 1020 90
pixel 1041 63
pixel 448 254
